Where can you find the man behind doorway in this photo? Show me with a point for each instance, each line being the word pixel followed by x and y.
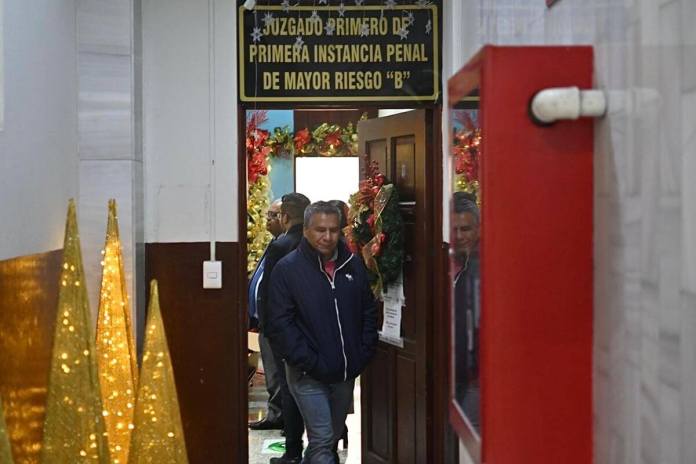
pixel 274 374
pixel 291 218
pixel 322 320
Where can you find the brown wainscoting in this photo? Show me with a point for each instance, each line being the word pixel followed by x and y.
pixel 28 302
pixel 205 342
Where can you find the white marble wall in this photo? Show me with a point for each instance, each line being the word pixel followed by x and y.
pixel 38 141
pixel 109 131
pixel 645 207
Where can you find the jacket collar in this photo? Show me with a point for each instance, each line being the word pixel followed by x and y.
pixel 313 255
pixel 296 229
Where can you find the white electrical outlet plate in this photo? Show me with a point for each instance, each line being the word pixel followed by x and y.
pixel 212 274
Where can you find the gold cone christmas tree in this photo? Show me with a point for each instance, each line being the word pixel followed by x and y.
pixel 5 450
pixel 158 435
pixel 115 347
pixel 74 427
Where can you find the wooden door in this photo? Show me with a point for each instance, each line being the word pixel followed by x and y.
pixel 397 386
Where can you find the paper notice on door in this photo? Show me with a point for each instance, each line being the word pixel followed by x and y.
pixel 391 325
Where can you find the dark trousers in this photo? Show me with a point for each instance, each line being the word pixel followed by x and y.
pixel 292 418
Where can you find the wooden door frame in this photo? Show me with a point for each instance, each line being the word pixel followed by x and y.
pixel 438 343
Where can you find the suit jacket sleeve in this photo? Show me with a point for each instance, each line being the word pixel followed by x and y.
pixel 273 255
pixel 281 330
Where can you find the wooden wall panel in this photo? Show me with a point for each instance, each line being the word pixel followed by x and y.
pixel 28 302
pixel 203 331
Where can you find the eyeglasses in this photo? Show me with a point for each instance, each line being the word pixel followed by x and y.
pixel 272 215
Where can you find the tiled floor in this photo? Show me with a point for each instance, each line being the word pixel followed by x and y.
pixel 257 410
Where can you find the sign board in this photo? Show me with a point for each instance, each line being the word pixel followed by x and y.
pixel 329 52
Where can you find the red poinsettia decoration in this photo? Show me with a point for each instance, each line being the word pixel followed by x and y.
pixel 302 138
pixel 467 153
pixel 257 153
pixel 334 139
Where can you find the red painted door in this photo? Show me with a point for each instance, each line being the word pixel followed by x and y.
pixel 536 259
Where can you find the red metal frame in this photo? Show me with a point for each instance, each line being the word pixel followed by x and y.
pixel 536 269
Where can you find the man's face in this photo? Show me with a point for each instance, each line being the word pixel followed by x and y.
pixel 465 233
pixel 322 233
pixel 273 219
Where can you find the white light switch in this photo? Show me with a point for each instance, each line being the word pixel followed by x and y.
pixel 212 274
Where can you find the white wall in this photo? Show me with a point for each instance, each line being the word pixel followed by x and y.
pixel 645 206
pixel 109 123
pixel 179 123
pixel 38 144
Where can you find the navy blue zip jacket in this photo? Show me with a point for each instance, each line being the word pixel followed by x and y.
pixel 326 327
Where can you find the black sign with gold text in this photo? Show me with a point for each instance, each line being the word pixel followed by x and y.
pixel 332 51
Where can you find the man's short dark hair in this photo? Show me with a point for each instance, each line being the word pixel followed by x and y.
pixel 320 207
pixel 465 202
pixel 293 204
pixel 342 209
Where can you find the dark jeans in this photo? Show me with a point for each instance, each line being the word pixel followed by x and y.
pixel 324 408
pixel 292 419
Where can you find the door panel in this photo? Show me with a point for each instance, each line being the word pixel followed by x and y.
pixel 404 172
pixel 377 151
pixel 377 409
pixel 408 318
pixel 406 399
pixel 395 386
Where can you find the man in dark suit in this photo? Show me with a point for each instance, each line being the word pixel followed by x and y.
pixel 291 218
pixel 274 374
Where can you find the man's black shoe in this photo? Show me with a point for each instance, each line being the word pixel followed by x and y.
pixel 285 460
pixel 266 424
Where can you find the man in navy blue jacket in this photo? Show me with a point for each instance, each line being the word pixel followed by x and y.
pixel 274 372
pixel 291 217
pixel 322 320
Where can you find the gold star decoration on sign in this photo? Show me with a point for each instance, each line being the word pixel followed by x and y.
pixel 118 369
pixel 74 427
pixel 5 450
pixel 158 436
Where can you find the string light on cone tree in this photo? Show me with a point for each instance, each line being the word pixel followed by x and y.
pixel 115 347
pixel 74 427
pixel 5 450
pixel 157 435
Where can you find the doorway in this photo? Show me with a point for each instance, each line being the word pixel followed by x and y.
pixel 401 402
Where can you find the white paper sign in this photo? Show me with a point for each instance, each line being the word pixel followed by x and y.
pixel 391 325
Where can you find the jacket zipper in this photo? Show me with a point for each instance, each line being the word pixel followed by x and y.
pixel 338 319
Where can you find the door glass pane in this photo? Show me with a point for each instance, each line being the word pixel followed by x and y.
pixel 465 231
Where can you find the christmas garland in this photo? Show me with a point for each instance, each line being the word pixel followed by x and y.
pixel 325 140
pixel 375 229
pixel 258 200
pixel 467 157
